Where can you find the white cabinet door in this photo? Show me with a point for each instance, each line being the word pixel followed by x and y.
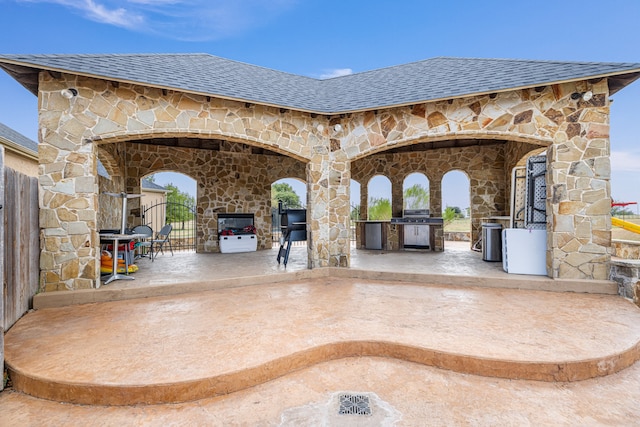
pixel 422 235
pixel 410 235
pixel 416 235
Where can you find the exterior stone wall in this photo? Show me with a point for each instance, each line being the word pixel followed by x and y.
pixel 103 113
pixel 626 273
pixel 230 178
pixel 578 185
pixel 457 236
pixel 109 207
pixel 484 165
pixel 626 249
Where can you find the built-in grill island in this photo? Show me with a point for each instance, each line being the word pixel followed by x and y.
pixel 415 230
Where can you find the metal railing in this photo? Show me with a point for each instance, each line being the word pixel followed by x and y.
pixel 181 216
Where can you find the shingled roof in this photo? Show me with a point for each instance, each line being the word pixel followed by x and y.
pixel 422 81
pixel 150 185
pixel 17 140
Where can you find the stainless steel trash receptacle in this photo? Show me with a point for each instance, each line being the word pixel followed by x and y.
pixel 491 242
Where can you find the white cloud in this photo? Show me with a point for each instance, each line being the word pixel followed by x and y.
pixel 119 17
pixel 627 161
pixel 100 12
pixel 189 20
pixel 337 72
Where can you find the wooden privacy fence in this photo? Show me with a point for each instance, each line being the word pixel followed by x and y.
pixel 19 247
pixel 20 253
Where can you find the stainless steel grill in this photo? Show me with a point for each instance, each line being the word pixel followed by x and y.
pixel 416 216
pixel 416 231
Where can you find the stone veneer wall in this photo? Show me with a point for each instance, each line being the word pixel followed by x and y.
pixel 578 186
pixel 103 113
pixel 484 165
pixel 625 269
pixel 626 273
pixel 626 249
pixel 231 180
pixel 109 207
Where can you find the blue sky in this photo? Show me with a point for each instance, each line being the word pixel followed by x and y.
pixel 321 38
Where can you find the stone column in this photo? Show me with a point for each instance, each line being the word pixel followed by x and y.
pixel 328 175
pixel 578 190
pixel 68 195
pixel 397 196
pixel 133 186
pixel 435 196
pixel 364 202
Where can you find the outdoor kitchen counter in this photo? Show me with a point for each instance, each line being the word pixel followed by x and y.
pixel 383 238
pixel 393 234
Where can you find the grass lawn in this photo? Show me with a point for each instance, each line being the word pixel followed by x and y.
pixel 459 225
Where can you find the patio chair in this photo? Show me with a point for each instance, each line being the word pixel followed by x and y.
pixel 161 239
pixel 144 245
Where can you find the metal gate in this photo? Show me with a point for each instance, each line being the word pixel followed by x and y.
pixel 181 216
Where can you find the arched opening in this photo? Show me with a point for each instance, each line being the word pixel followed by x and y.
pixel 379 201
pixel 292 192
pixel 355 209
pixel 456 206
pixel 415 192
pixel 286 193
pixel 169 198
pixel 519 202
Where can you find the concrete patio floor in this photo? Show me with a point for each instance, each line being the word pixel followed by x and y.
pixel 235 339
pixel 186 272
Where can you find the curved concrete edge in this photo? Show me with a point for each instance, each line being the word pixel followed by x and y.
pixel 124 395
pixel 534 283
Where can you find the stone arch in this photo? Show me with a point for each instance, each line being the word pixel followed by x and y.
pixel 472 213
pixel 129 112
pixel 536 152
pixel 533 140
pixel 230 177
pixel 108 157
pixel 220 138
pixel 404 185
pixel 356 186
pixel 303 199
pixel 523 115
pixel 457 170
pixel 383 180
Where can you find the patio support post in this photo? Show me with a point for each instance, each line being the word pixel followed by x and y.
pixel 133 186
pixel 364 202
pixel 435 196
pixel 328 175
pixel 397 196
pixel 68 195
pixel 578 190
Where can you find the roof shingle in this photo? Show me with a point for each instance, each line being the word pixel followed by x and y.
pixel 422 81
pixel 11 135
